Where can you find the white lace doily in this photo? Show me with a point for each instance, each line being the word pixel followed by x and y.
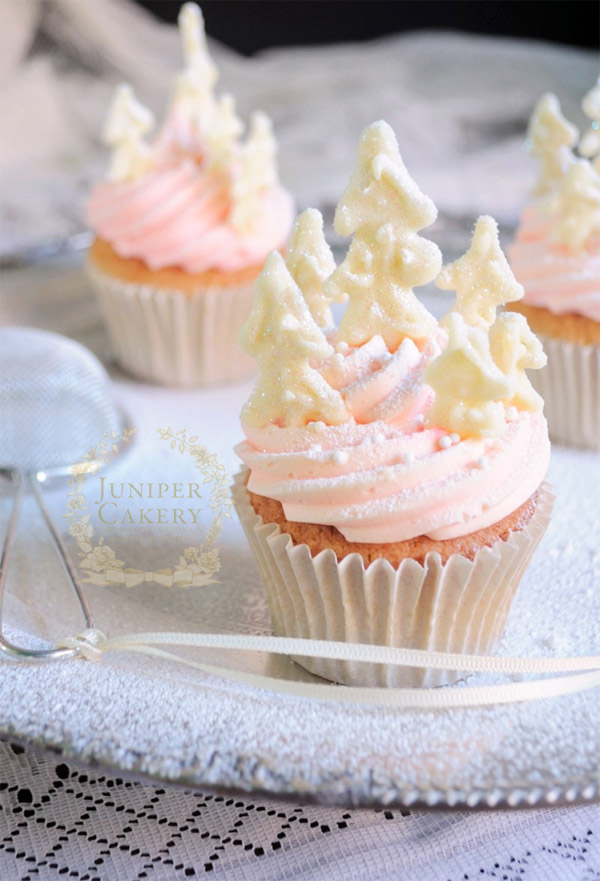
pixel 88 824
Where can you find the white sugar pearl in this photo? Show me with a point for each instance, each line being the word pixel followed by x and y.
pixel 341 457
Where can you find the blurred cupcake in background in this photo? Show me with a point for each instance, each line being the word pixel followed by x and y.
pixel 556 257
pixel 183 224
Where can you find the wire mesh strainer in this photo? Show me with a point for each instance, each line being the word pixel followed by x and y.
pixel 55 404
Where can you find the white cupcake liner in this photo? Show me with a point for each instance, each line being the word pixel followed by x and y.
pixel 460 606
pixel 173 338
pixel 570 387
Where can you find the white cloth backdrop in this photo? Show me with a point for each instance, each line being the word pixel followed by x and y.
pixel 458 103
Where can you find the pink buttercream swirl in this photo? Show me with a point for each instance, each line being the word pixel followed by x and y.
pixel 177 214
pixel 553 277
pixel 382 477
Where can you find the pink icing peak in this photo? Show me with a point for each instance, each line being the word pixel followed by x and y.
pixel 553 277
pixel 377 487
pixel 178 212
pixel 382 477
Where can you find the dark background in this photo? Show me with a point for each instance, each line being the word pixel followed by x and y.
pixel 252 25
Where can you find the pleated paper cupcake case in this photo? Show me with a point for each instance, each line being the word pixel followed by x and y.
pixel 570 387
pixel 459 606
pixel 173 338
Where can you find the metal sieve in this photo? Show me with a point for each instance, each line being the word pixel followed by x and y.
pixel 55 404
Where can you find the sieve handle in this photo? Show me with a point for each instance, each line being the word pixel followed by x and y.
pixel 7 647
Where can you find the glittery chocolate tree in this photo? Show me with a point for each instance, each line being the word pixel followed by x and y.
pixel 551 138
pixel 481 372
pixel 383 209
pixel 282 336
pixel 310 262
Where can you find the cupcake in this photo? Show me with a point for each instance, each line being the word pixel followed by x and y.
pixel 556 257
pixel 392 489
pixel 183 224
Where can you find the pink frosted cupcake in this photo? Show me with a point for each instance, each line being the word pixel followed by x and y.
pixel 392 489
pixel 183 225
pixel 556 257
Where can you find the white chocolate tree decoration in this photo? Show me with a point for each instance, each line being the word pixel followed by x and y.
pixel 384 209
pixel 469 387
pixel 575 207
pixel 194 95
pixel 482 277
pixel 193 42
pixel 224 132
pixel 380 188
pixel 127 123
pixel 515 348
pixel 256 172
pixel 482 369
pixel 282 336
pixel 551 137
pixel 310 262
pixel 208 128
pixel 590 142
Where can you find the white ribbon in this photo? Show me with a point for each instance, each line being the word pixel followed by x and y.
pixel 585 671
